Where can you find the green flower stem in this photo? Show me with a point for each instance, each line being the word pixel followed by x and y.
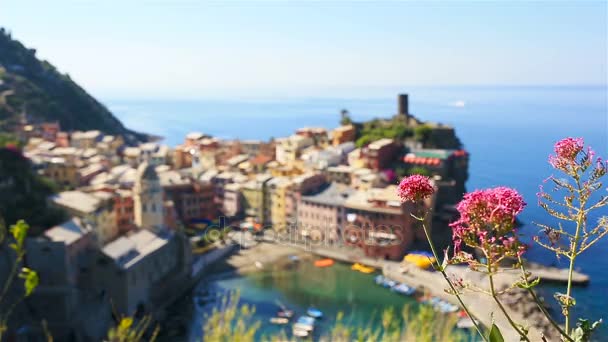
pixel 574 251
pixel 502 308
pixel 447 279
pixel 9 280
pixel 540 305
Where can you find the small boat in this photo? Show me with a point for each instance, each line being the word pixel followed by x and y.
pixel 314 313
pixel 305 323
pixel 388 283
pixel 465 323
pixel 324 263
pixel 448 308
pixel 300 332
pixel 404 289
pixel 362 268
pixel 279 320
pixel 306 320
pixel 441 305
pixel 293 258
pixel 285 313
pixel 379 279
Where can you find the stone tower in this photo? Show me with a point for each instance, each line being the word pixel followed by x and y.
pixel 403 106
pixel 148 198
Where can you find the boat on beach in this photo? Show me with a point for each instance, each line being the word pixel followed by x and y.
pixel 404 289
pixel 465 323
pixel 362 268
pixel 324 262
pixel 441 305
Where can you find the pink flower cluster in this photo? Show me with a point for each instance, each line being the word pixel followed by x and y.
pixel 566 151
pixel 487 221
pixel 415 188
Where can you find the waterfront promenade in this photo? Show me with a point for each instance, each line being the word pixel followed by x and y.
pixel 521 308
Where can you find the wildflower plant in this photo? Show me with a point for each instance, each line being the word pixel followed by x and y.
pixel 487 227
pixel 16 243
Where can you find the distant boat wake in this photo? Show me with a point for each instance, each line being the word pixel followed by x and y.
pixel 458 104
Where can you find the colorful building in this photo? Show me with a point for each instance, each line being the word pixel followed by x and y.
pixel 321 215
pixel 379 154
pixel 62 172
pixel 343 134
pixel 379 224
pixel 278 191
pixel 255 203
pixel 288 149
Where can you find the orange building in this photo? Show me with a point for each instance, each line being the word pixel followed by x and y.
pixel 343 134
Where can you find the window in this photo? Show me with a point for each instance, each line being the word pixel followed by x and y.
pixel 144 207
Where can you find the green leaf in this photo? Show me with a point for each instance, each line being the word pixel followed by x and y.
pixel 534 282
pixel 30 280
pixel 19 232
pixel 584 330
pixel 495 334
pixel 522 283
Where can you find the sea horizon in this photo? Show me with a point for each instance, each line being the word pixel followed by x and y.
pixel 487 125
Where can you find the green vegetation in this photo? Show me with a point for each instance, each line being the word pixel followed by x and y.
pixel 378 129
pixel 7 139
pixel 15 241
pixel 230 322
pixel 38 88
pixel 130 331
pixel 345 118
pixel 23 193
pixel 422 133
pixel 234 322
pixel 415 170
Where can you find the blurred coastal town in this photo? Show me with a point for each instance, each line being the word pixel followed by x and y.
pixel 140 216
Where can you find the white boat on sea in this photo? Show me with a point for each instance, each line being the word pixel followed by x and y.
pixel 279 320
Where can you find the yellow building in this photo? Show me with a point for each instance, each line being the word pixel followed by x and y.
pixel 255 202
pixel 288 149
pixel 63 173
pixel 343 134
pixel 278 192
pixel 291 170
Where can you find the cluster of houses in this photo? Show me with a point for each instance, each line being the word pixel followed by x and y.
pixel 125 241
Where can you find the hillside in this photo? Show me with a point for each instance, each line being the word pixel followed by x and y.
pixel 23 193
pixel 45 94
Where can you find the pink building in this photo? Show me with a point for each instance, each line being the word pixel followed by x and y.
pixel 322 215
pixel 302 185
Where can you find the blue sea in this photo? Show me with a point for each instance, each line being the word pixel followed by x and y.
pixel 509 132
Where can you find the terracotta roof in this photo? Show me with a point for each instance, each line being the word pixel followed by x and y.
pixel 260 159
pixel 422 160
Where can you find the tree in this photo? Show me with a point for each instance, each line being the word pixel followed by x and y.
pixel 345 118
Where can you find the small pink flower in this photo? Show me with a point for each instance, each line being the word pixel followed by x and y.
pixel 566 151
pixel 415 188
pixel 569 148
pixel 487 221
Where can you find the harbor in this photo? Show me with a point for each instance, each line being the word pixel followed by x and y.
pixel 296 280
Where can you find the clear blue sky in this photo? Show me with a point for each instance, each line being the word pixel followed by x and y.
pixel 189 49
